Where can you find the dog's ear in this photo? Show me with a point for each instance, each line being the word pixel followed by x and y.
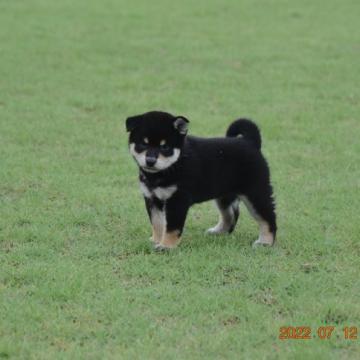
pixel 133 122
pixel 181 124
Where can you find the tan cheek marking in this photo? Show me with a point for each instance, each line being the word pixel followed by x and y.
pixel 171 239
pixel 162 142
pixel 163 158
pixel 166 161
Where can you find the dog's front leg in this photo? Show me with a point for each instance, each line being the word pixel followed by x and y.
pixel 176 209
pixel 156 211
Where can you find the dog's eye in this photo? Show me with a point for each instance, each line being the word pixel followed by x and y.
pixel 144 143
pixel 164 146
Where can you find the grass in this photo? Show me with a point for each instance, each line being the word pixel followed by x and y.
pixel 78 278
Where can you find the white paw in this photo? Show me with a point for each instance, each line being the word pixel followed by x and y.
pixel 161 248
pixel 216 230
pixel 262 242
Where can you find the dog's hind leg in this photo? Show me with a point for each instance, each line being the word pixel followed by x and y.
pixel 261 207
pixel 229 213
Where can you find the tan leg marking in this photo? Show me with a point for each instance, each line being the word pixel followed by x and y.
pixel 158 225
pixel 171 239
pixel 266 237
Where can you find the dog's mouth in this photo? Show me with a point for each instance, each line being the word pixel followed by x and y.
pixel 149 169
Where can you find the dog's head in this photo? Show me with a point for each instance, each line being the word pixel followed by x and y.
pixel 156 139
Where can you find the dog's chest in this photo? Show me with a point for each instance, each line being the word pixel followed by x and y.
pixel 162 193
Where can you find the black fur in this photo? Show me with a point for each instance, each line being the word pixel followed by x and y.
pixel 222 168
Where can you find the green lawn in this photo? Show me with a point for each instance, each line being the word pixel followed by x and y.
pixel 78 277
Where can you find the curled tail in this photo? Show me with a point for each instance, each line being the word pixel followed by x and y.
pixel 247 129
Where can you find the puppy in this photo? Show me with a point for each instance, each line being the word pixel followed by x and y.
pixel 177 170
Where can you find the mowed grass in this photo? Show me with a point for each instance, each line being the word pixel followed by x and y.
pixel 78 276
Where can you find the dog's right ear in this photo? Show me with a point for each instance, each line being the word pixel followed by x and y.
pixel 133 122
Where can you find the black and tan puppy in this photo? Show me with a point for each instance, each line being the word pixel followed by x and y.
pixel 178 170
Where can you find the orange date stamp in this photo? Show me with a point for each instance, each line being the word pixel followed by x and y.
pixel 322 332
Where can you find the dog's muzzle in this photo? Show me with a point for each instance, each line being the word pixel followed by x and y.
pixel 150 161
pixel 151 158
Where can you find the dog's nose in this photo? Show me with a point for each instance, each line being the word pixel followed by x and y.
pixel 150 160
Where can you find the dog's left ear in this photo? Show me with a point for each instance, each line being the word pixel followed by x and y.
pixel 181 124
pixel 132 122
